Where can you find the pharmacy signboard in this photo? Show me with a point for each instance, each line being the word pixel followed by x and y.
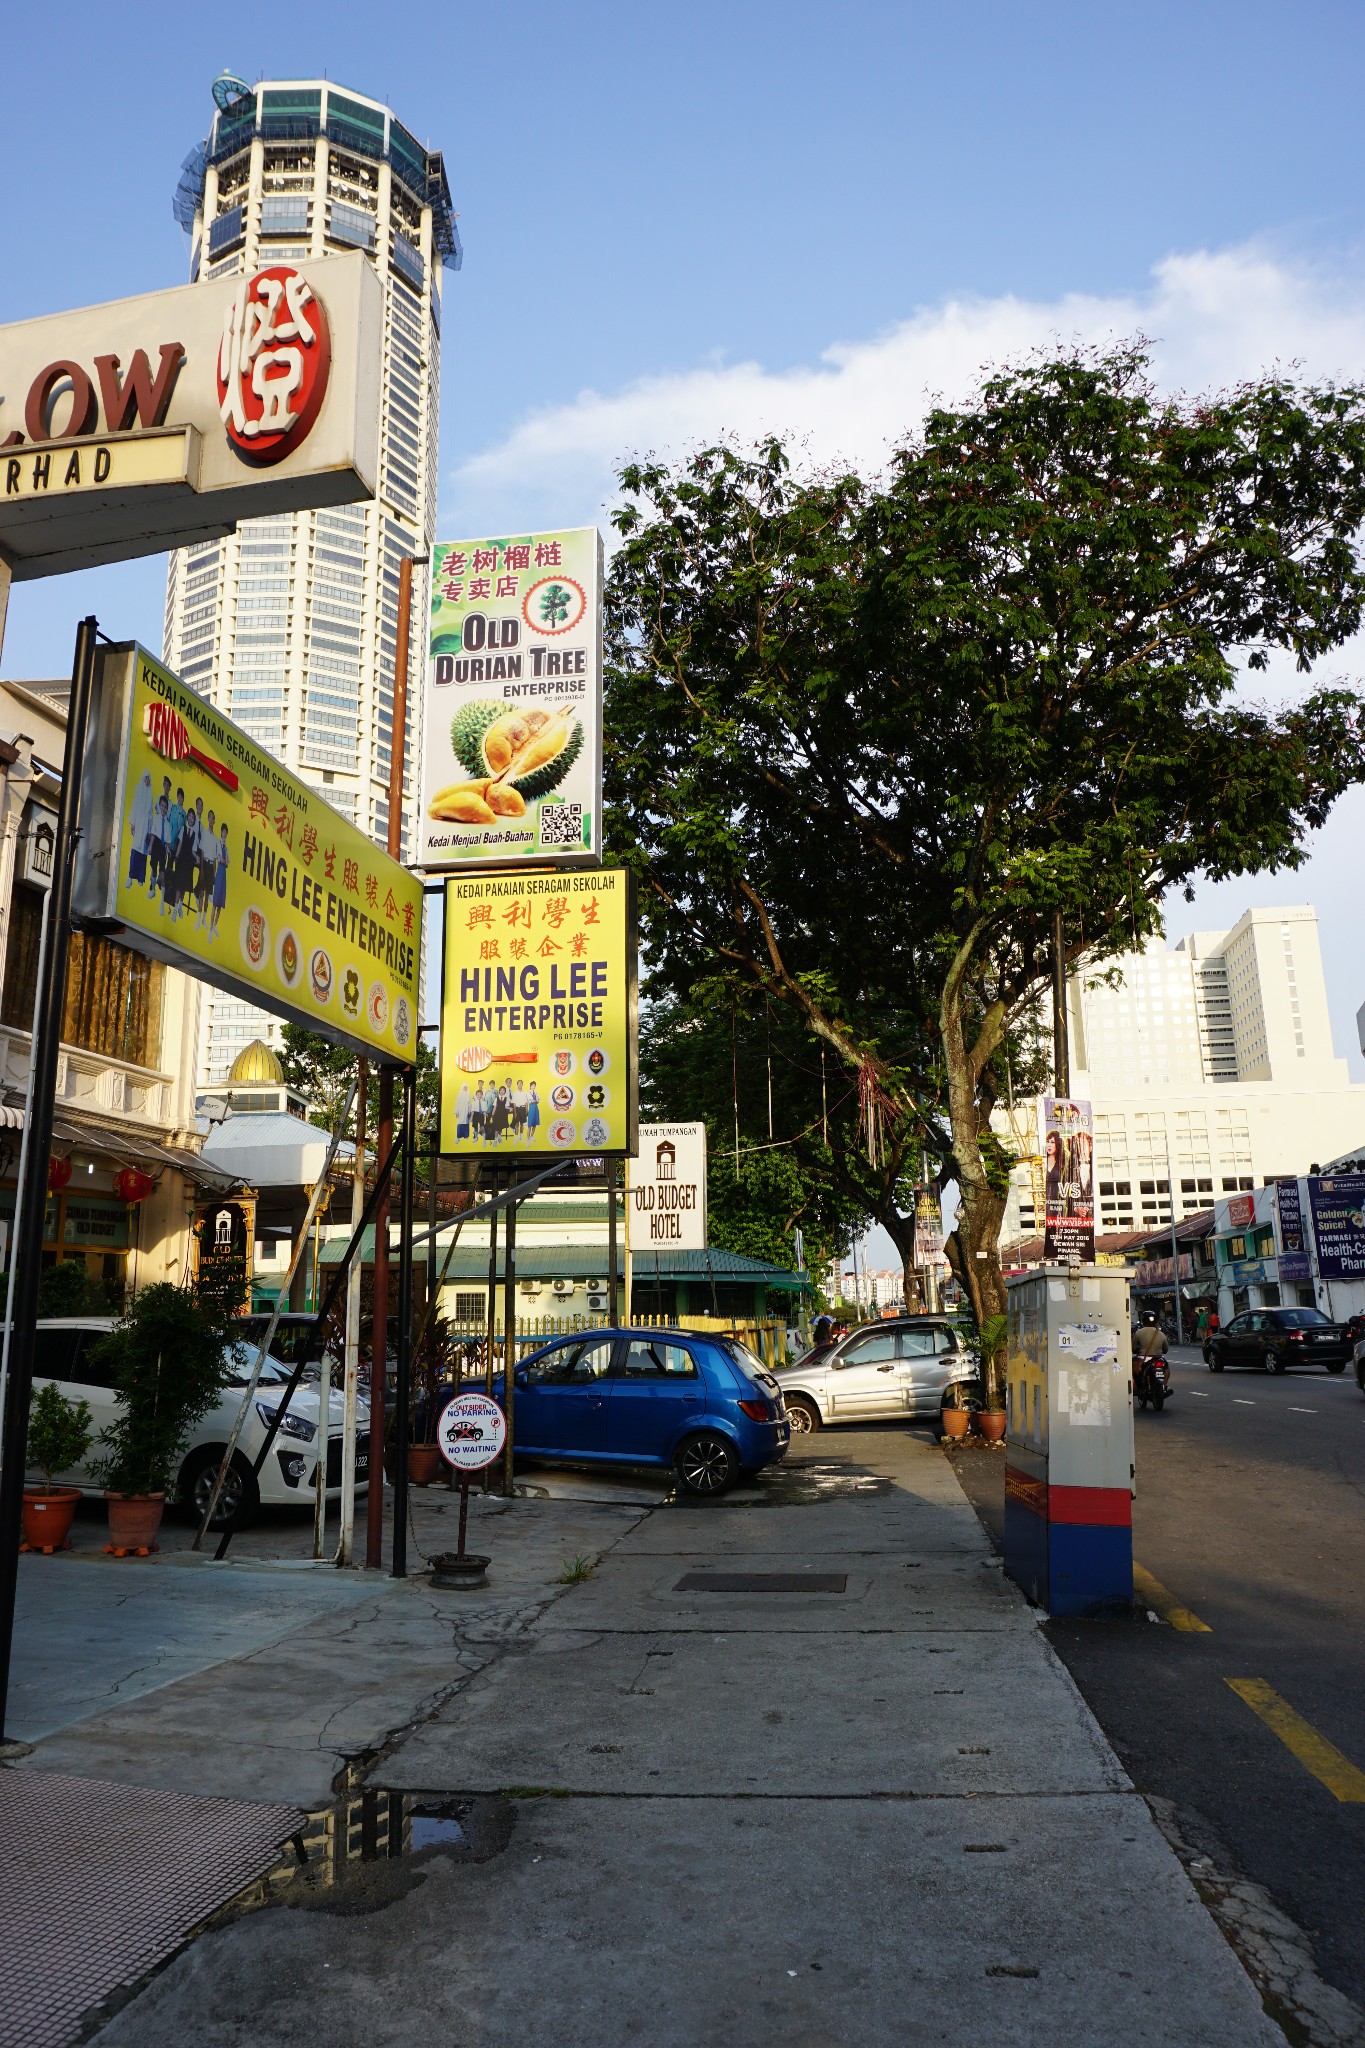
pixel 512 772
pixel 201 850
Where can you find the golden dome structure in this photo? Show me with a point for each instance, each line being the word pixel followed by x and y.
pixel 256 1065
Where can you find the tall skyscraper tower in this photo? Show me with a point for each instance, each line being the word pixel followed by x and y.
pixel 289 624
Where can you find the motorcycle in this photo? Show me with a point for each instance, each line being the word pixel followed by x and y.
pixel 1151 1382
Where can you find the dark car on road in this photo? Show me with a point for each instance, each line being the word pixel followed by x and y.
pixel 1273 1339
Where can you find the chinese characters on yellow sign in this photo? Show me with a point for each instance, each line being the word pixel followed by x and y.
pixel 512 765
pixel 208 854
pixel 538 1015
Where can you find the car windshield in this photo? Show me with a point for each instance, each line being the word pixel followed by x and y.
pixel 242 1357
pixel 1300 1318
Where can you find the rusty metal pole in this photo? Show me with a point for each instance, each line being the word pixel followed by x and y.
pixel 374 1533
pixel 509 1343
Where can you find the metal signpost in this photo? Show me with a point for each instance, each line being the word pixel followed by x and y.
pixel 472 1434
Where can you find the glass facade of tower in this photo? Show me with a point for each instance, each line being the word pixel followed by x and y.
pixel 289 625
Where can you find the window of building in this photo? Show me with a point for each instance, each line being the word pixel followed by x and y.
pixel 113 997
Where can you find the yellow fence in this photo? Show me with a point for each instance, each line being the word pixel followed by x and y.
pixel 765 1336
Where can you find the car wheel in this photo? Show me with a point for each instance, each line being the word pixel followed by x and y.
pixel 1215 1361
pixel 707 1465
pixel 803 1415
pixel 1272 1361
pixel 1208 1358
pixel 240 1500
pixel 1339 1365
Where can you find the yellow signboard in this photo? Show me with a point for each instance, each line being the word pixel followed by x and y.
pixel 203 851
pixel 538 1016
pixel 57 469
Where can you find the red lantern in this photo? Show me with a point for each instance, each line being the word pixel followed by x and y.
pixel 131 1184
pixel 58 1174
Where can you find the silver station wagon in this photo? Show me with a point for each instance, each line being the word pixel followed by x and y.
pixel 881 1372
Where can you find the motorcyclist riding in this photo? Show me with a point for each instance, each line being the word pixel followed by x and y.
pixel 1151 1374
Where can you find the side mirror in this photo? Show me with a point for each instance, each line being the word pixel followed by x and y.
pixel 521 1377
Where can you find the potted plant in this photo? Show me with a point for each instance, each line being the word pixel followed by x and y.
pixel 992 1420
pixel 59 1435
pixel 957 1417
pixel 168 1364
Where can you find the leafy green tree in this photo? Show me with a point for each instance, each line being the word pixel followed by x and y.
pixel 323 1073
pixel 865 742
pixel 67 1289
pixel 167 1361
pixel 782 1133
pixel 59 1432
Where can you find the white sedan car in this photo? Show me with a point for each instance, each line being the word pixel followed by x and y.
pixel 62 1355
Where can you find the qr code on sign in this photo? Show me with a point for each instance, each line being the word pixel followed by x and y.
pixel 561 824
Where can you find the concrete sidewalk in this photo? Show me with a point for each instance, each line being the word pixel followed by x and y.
pixel 804 1816
pixel 263 1677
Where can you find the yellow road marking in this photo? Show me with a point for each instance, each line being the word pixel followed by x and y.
pixel 1313 1751
pixel 1166 1605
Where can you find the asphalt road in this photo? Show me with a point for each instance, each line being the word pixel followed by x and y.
pixel 1250 1512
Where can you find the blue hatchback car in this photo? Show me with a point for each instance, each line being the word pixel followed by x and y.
pixel 705 1405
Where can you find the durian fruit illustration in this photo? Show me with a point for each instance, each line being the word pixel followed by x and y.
pixel 512 758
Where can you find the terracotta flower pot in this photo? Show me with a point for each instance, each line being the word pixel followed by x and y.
pixel 424 1464
pixel 48 1516
pixel 991 1422
pixel 134 1519
pixel 956 1421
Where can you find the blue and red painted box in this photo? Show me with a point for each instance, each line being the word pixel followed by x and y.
pixel 1069 1547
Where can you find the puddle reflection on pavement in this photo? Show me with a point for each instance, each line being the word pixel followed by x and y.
pixel 357 1856
pixel 807 1482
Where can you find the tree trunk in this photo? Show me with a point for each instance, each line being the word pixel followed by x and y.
pixel 983 1179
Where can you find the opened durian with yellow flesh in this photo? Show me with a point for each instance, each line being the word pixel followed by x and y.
pixel 512 757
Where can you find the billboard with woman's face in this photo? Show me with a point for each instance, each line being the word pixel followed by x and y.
pixel 1067 1139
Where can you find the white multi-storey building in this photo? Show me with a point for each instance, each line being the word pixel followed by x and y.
pixel 1210 1064
pixel 289 624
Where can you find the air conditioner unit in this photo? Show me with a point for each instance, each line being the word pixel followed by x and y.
pixel 563 1286
pixel 530 1286
pixel 597 1304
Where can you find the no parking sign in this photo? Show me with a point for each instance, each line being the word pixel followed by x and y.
pixel 471 1432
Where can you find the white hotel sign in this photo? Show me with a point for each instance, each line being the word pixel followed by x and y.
pixel 148 423
pixel 666 1189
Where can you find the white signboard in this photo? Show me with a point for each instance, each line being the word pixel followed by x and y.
pixel 471 1432
pixel 151 422
pixel 512 767
pixel 666 1188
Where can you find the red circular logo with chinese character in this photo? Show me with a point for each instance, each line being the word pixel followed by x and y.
pixel 273 364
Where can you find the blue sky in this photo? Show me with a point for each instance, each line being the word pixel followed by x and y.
pixel 753 215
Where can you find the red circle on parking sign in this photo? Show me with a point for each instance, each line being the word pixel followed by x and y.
pixel 471 1432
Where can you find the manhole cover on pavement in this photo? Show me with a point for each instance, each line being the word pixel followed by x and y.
pixel 100 1882
pixel 762 1582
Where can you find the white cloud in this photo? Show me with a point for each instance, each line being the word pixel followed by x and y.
pixel 1214 318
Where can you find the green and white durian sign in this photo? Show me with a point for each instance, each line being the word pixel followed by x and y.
pixel 512 753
